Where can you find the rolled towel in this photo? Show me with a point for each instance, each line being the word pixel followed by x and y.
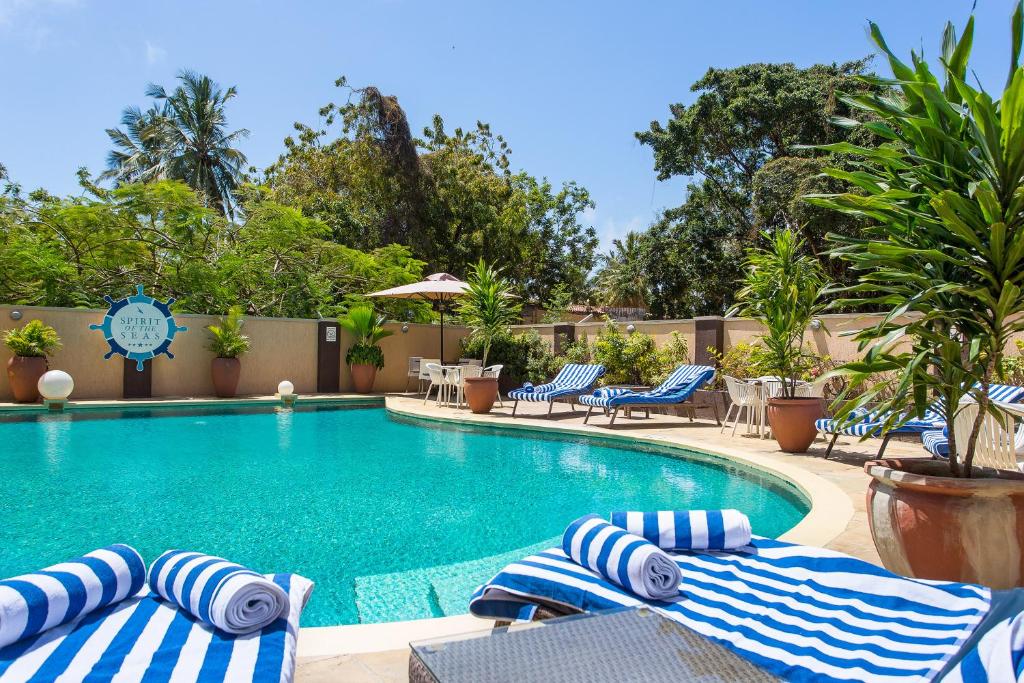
pixel 624 559
pixel 228 596
pixel 688 529
pixel 33 603
pixel 526 388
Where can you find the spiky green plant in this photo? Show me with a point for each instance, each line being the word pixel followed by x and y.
pixel 226 339
pixel 35 339
pixel 943 254
pixel 489 307
pixel 366 328
pixel 782 289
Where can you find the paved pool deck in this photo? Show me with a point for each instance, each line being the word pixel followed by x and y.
pixel 835 488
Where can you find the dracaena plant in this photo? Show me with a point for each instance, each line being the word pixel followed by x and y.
pixel 942 256
pixel 366 328
pixel 488 307
pixel 782 289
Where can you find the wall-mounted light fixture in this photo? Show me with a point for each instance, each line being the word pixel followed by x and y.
pixel 405 328
pixel 815 324
pixel 15 315
pixel 631 328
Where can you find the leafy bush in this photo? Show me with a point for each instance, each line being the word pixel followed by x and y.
pixel 226 339
pixel 1012 369
pixel 628 359
pixel 365 354
pixel 526 357
pixel 35 339
pixel 577 351
pixel 672 355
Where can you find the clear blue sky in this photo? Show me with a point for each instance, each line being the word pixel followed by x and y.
pixel 566 83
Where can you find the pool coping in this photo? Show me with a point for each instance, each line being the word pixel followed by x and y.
pixel 85 405
pixel 830 511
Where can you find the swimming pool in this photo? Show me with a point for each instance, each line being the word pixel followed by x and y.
pixel 392 518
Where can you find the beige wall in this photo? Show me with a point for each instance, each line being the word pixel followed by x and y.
pixel 282 348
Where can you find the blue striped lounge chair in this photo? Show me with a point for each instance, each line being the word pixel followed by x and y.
pixel 798 612
pixel 571 381
pixel 677 389
pixel 870 423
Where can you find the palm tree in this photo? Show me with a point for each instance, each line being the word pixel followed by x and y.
pixel 184 137
pixel 622 279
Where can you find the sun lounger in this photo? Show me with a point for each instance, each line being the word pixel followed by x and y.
pixel 797 612
pixel 870 423
pixel 676 390
pixel 571 381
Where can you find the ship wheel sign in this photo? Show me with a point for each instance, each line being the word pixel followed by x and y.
pixel 139 327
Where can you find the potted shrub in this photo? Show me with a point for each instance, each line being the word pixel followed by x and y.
pixel 489 309
pixel 946 246
pixel 227 343
pixel 782 290
pixel 364 357
pixel 31 345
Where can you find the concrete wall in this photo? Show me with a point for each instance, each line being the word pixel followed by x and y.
pixel 282 348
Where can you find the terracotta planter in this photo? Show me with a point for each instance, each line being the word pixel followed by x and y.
pixel 226 372
pixel 481 393
pixel 23 373
pixel 362 377
pixel 792 422
pixel 929 525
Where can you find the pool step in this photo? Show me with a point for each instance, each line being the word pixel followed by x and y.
pixel 438 591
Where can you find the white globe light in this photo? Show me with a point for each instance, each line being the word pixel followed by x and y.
pixel 55 385
pixel 285 388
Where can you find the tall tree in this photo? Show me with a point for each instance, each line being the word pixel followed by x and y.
pixel 623 279
pixel 744 122
pixel 184 136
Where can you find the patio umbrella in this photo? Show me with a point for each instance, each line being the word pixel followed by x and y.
pixel 440 287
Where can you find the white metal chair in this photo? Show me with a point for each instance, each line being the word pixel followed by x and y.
pixel 465 372
pixel 435 374
pixel 453 382
pixel 470 361
pixel 742 396
pixel 414 373
pixel 1000 442
pixel 495 372
pixel 424 373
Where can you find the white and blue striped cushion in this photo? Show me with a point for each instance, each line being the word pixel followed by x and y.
pixel 801 613
pixel 623 558
pixel 997 657
pixel 688 529
pixel 936 442
pixel 679 386
pixel 229 596
pixel 145 638
pixel 873 423
pixel 33 603
pixel 574 378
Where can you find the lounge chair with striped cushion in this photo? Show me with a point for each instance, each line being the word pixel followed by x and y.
pixel 800 613
pixel 871 423
pixel 571 381
pixel 146 638
pixel 677 389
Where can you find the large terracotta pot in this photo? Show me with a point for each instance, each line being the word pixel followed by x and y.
pixel 792 422
pixel 226 372
pixel 362 377
pixel 929 525
pixel 23 373
pixel 481 393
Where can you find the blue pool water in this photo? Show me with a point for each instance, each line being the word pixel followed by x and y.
pixel 374 509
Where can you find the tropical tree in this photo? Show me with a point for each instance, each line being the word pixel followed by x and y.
pixel 623 279
pixel 183 137
pixel 489 307
pixel 943 254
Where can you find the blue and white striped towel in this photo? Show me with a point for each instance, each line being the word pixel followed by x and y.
pixel 621 557
pixel 33 603
pixel 231 597
pixel 688 529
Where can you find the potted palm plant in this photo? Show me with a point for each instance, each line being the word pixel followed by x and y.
pixel 943 257
pixel 782 290
pixel 364 357
pixel 489 309
pixel 31 344
pixel 227 343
